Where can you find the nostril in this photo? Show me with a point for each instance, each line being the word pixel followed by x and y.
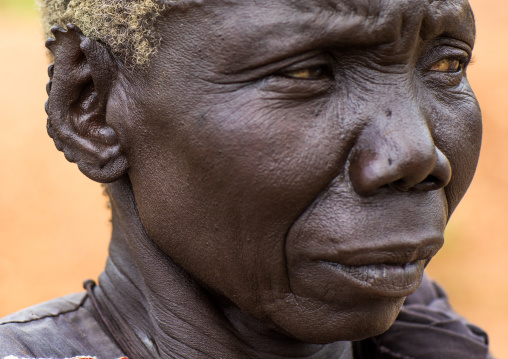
pixel 439 177
pixel 431 180
pixel 400 185
pixel 388 160
pixel 429 184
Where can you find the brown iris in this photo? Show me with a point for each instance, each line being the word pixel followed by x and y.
pixel 309 73
pixel 447 65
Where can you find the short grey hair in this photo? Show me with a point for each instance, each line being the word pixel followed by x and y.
pixel 126 26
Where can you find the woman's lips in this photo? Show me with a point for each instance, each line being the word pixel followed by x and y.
pixel 397 254
pixel 389 271
pixel 393 269
pixel 392 280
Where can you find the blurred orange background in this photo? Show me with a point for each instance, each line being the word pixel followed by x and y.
pixel 54 224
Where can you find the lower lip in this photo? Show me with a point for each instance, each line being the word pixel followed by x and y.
pixel 383 279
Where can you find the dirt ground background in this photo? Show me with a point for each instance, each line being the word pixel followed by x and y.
pixel 54 224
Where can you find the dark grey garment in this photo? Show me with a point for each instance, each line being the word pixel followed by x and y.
pixel 427 328
pixel 62 328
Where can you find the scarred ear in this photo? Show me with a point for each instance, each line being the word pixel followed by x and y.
pixel 81 78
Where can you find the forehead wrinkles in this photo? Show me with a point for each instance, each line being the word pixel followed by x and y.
pixel 449 15
pixel 378 22
pixel 261 31
pixel 396 20
pixel 360 22
pixel 386 21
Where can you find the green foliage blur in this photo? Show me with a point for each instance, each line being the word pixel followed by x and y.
pixel 19 7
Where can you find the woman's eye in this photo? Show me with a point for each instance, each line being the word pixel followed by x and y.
pixel 447 65
pixel 310 73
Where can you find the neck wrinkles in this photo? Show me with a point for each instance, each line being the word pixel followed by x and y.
pixel 161 312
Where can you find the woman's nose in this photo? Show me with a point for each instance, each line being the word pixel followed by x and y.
pixel 398 152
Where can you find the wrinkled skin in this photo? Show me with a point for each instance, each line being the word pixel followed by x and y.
pixel 298 159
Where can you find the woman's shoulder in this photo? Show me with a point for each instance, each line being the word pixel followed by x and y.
pixel 61 328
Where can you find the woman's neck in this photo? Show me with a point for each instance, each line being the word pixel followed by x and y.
pixel 165 313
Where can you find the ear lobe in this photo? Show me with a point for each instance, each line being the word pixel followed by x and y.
pixel 80 82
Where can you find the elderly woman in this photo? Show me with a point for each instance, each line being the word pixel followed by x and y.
pixel 280 174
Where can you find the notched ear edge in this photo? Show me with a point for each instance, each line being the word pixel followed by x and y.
pixel 81 78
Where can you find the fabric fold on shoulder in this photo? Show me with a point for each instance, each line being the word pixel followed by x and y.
pixel 428 328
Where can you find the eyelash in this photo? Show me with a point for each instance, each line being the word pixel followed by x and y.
pixel 447 78
pixel 325 71
pixel 447 55
pixel 461 61
pixel 448 65
pixel 315 76
pixel 304 80
pixel 309 73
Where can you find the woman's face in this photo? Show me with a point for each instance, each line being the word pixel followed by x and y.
pixel 301 158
